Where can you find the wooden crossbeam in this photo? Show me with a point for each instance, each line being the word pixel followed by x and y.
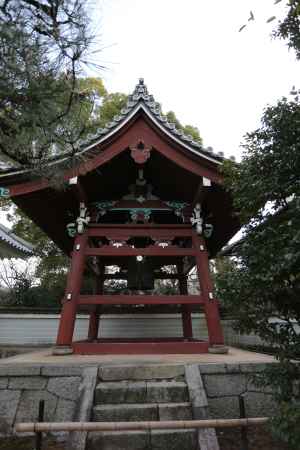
pixel 140 299
pixel 159 231
pixel 152 250
pixel 157 275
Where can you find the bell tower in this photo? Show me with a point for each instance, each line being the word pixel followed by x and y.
pixel 144 202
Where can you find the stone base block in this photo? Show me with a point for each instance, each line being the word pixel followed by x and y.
pixel 62 350
pixel 218 349
pixel 144 372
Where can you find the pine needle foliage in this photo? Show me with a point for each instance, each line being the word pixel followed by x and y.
pixel 44 45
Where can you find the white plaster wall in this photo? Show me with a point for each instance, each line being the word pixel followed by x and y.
pixel 41 329
pixel 36 329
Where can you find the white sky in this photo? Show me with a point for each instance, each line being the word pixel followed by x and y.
pixel 196 63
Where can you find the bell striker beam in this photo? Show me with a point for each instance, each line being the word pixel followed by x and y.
pixel 74 281
pixel 211 307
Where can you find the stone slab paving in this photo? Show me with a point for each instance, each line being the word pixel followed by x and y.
pixel 45 358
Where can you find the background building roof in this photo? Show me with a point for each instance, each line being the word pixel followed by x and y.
pixel 12 246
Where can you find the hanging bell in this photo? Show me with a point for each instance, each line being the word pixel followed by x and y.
pixel 140 274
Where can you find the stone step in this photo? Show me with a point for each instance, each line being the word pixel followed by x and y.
pixel 125 412
pixel 150 411
pixel 175 411
pixel 185 439
pixel 167 391
pixel 143 440
pixel 141 392
pixel 142 372
pixel 119 440
pixel 121 392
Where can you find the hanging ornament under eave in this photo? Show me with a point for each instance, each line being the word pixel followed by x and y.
pixel 140 153
pixel 196 219
pixel 81 222
pixel 202 228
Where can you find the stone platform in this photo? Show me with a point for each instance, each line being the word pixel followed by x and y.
pixel 45 357
pixel 64 381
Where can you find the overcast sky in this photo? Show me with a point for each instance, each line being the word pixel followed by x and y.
pixel 196 63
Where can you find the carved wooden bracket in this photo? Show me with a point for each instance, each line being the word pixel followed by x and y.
pixel 140 153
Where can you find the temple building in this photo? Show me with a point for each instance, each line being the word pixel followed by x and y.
pixel 142 202
pixel 13 246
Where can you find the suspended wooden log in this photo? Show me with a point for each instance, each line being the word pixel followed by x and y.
pixel 135 426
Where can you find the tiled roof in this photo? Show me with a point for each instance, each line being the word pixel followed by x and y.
pixel 18 245
pixel 141 98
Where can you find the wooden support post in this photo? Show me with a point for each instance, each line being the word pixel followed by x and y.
pixel 78 190
pixel 39 434
pixel 93 325
pixel 211 307
pixel 186 317
pixel 74 281
pixel 95 313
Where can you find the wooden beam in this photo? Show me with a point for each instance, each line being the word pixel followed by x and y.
pixel 140 299
pixel 33 427
pixel 124 276
pixel 78 190
pixel 200 194
pixel 159 231
pixel 152 250
pixel 140 348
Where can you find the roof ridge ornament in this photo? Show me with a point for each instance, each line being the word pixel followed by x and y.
pixel 141 91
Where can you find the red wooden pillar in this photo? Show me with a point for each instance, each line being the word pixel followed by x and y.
pixel 211 307
pixel 186 317
pixel 74 281
pixel 95 313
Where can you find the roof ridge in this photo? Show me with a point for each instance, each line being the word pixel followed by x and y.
pixel 140 93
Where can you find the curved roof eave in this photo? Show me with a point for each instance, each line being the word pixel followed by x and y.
pixel 139 100
pixel 142 106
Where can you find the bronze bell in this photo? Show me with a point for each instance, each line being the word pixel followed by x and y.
pixel 140 274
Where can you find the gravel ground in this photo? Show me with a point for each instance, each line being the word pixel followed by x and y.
pixel 29 444
pixel 229 439
pixel 259 438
